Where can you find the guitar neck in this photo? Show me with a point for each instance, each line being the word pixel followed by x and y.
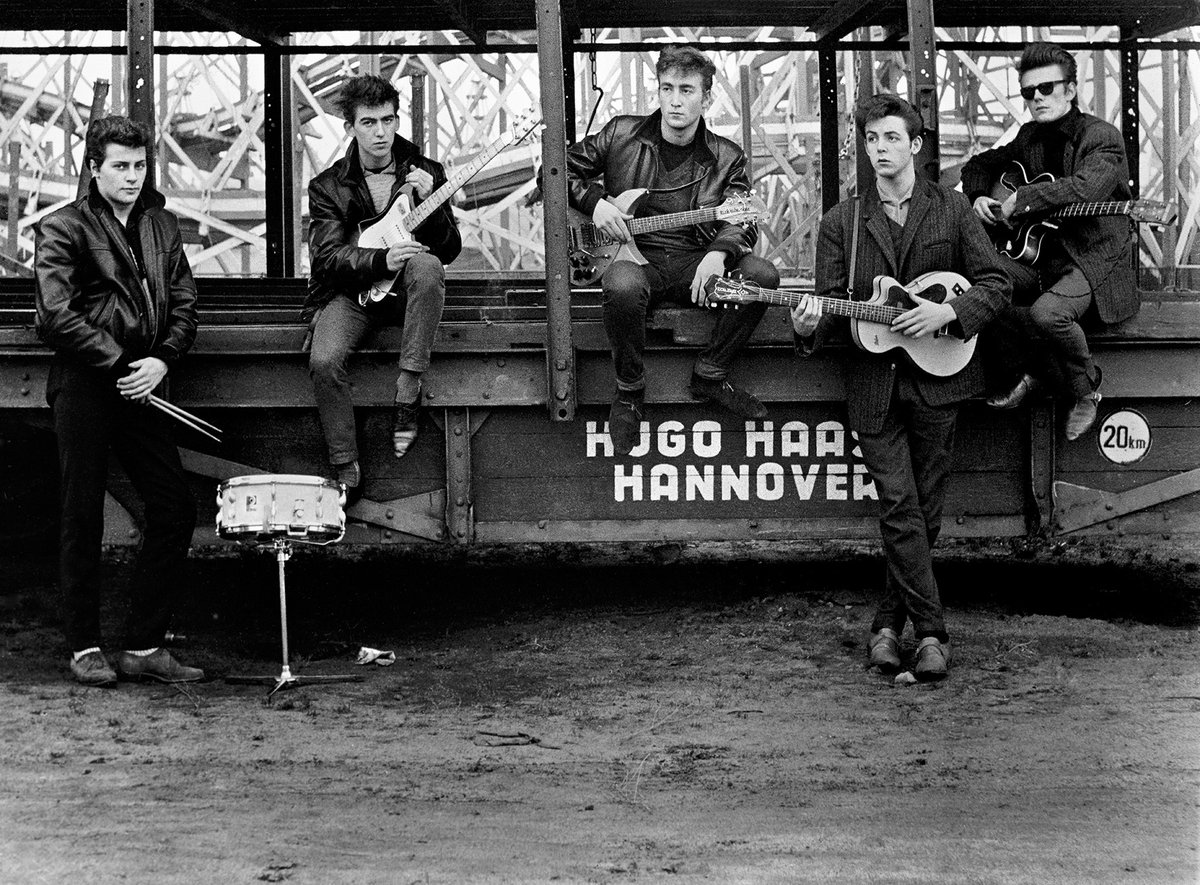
pixel 457 179
pixel 858 310
pixel 1080 210
pixel 672 220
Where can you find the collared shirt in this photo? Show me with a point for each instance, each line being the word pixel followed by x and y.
pixel 897 208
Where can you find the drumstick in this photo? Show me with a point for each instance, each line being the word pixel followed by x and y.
pixel 179 410
pixel 184 417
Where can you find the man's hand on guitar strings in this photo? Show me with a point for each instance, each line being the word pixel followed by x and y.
pixel 612 221
pixel 421 181
pixel 805 316
pixel 924 319
pixel 399 253
pixel 712 264
pixel 986 208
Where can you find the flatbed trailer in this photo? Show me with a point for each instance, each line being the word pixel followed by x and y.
pixel 513 453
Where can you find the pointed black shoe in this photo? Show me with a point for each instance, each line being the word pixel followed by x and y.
pixel 741 402
pixel 625 421
pixel 1013 398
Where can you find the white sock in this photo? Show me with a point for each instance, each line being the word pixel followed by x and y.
pixel 143 653
pixel 87 651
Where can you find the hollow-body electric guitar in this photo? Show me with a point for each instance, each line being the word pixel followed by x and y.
pixel 396 223
pixel 942 353
pixel 1024 243
pixel 592 250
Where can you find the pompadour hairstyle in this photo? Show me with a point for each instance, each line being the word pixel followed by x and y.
pixel 686 60
pixel 885 104
pixel 113 130
pixel 367 91
pixel 1040 55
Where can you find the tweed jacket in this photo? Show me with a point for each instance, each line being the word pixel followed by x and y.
pixel 625 154
pixel 339 201
pixel 941 233
pixel 1095 170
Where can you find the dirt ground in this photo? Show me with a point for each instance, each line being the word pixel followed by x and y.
pixel 654 724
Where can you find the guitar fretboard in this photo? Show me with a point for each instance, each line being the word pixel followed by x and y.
pixel 596 237
pixel 1079 210
pixel 457 179
pixel 871 312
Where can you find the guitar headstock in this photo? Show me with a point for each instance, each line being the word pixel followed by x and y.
pixel 1153 212
pixel 742 209
pixel 522 125
pixel 724 291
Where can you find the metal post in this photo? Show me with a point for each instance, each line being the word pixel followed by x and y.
pixel 1170 156
pixel 1130 111
pixel 140 84
pixel 416 110
pixel 747 129
pixel 281 207
pixel 14 196
pixel 560 356
pixel 459 506
pixel 922 84
pixel 568 66
pixel 831 176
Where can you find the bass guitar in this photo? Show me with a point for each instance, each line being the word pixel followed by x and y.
pixel 592 250
pixel 1024 243
pixel 942 354
pixel 396 223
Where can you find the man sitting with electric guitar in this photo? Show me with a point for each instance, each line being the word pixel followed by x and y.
pixel 903 227
pixel 355 189
pixel 686 167
pixel 1086 262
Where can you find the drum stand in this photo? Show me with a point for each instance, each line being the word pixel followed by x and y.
pixel 286 679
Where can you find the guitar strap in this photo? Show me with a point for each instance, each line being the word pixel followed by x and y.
pixel 853 252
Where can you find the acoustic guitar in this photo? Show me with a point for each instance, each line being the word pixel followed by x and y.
pixel 592 250
pixel 396 223
pixel 942 354
pixel 1024 243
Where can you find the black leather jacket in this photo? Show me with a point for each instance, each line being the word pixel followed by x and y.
pixel 339 201
pixel 625 154
pixel 91 305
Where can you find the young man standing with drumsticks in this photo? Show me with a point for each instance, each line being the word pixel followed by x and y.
pixel 116 301
pixel 903 226
pixel 355 189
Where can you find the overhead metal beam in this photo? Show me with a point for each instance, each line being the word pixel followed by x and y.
pixel 846 15
pixel 460 13
pixel 225 17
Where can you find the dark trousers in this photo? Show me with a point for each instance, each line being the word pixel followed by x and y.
pixel 630 290
pixel 1042 332
pixel 909 460
pixel 91 420
pixel 340 327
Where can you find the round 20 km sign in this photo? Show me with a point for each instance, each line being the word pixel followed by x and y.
pixel 1124 437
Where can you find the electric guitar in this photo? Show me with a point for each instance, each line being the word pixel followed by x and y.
pixel 942 353
pixel 1024 243
pixel 592 250
pixel 396 223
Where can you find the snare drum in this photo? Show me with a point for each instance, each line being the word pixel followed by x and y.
pixel 302 508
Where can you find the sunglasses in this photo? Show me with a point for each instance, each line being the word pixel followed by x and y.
pixel 1044 88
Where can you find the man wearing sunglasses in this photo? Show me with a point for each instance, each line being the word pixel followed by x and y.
pixel 1084 270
